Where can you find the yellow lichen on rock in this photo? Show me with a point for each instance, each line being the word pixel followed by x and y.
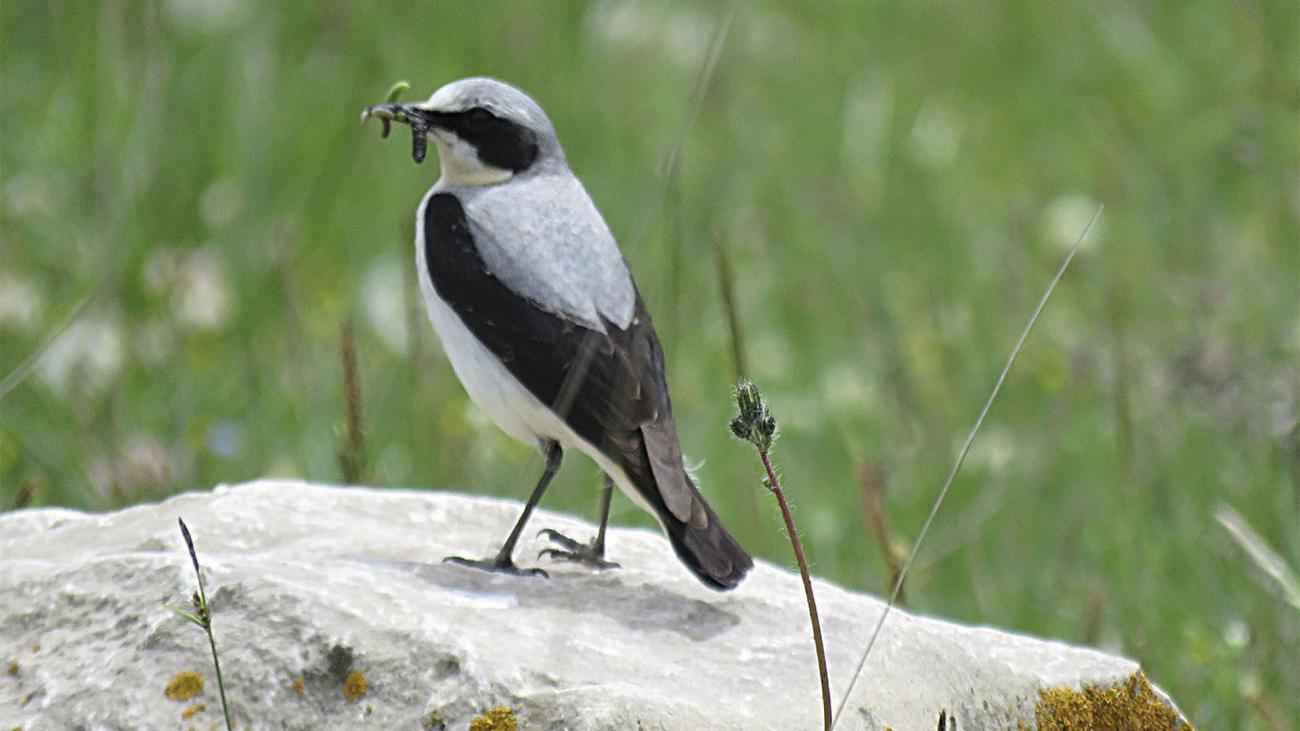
pixel 497 719
pixel 184 686
pixel 355 687
pixel 299 686
pixel 193 710
pixel 1131 705
pixel 13 668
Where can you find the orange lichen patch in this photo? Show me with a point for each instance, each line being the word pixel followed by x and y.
pixel 13 668
pixel 184 686
pixel 355 687
pixel 497 719
pixel 1132 704
pixel 300 687
pixel 193 710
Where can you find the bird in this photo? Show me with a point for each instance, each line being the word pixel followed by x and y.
pixel 538 313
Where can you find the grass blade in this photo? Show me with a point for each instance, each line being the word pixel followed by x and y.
pixel 24 369
pixel 961 458
pixel 1260 553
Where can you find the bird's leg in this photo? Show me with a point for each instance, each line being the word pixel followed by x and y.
pixel 591 554
pixel 502 562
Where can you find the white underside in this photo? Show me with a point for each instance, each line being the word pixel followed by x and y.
pixel 492 387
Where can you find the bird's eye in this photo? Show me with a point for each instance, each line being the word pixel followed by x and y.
pixel 478 118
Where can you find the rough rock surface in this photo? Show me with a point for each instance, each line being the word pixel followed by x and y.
pixel 310 584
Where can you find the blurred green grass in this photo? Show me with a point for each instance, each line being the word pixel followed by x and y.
pixel 894 184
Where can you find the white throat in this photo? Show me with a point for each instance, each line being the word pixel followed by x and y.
pixel 461 167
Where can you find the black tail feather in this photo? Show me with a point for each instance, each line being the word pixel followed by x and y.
pixel 710 552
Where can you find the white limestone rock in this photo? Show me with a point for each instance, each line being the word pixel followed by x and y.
pixel 310 582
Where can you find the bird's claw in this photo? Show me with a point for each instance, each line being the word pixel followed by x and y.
pixel 496 566
pixel 588 554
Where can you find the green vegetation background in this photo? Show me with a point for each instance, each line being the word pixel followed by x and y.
pixel 893 183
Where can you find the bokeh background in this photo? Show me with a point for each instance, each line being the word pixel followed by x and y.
pixel 190 211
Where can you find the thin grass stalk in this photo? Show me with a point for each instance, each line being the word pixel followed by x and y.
pixel 26 491
pixel 726 283
pixel 25 368
pixel 352 451
pixel 872 482
pixel 961 459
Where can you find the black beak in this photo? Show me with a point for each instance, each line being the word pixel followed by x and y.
pixel 420 120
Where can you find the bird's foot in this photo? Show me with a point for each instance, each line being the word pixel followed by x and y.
pixel 497 565
pixel 591 555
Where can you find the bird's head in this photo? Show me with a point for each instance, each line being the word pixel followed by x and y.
pixel 486 131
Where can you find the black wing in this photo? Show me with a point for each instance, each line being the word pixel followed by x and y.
pixel 609 387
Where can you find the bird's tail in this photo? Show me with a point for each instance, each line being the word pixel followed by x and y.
pixel 706 546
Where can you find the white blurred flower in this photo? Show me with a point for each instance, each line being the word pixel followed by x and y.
pixel 679 36
pixel 868 111
pixel 89 354
pixel 1236 634
pixel 772 35
pixel 621 22
pixel 196 281
pixel 1065 219
pixel 385 303
pixel 144 462
pixel 206 15
pixel 147 461
pixel 282 467
pixel 221 202
pixel 770 356
pixel 1249 684
pixel 395 465
pixel 954 320
pixel 994 449
pixel 936 134
pixel 475 418
pixel 26 195
pixel 687 34
pixel 847 389
pixel 22 304
pixel 202 296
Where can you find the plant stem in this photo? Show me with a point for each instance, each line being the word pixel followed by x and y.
pixel 205 614
pixel 726 281
pixel 872 480
pixel 221 684
pixel 24 369
pixel 775 484
pixel 352 450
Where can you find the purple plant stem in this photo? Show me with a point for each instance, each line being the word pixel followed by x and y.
pixel 807 587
